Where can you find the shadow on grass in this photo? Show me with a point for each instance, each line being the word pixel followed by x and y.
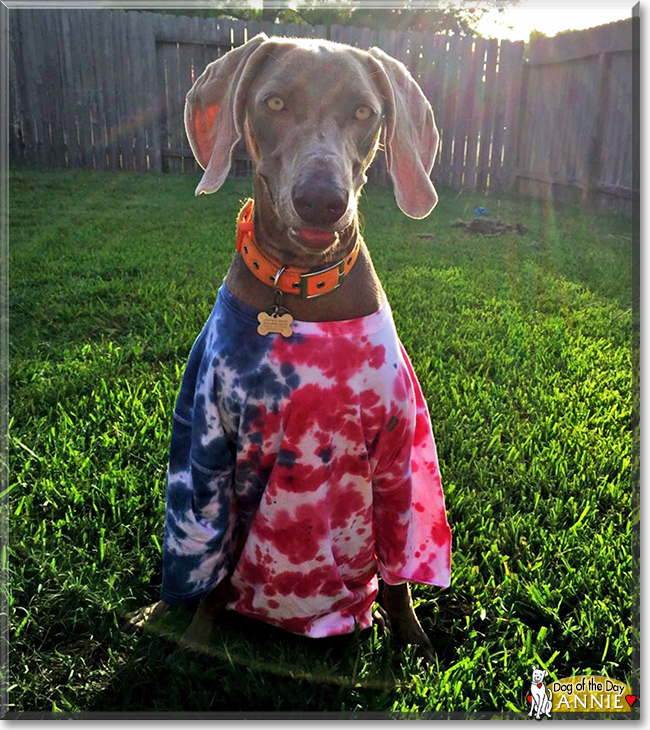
pixel 249 666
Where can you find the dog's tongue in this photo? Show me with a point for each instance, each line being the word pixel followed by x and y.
pixel 316 238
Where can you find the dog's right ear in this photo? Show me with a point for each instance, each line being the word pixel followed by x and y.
pixel 212 119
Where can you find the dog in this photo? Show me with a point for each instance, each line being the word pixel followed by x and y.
pixel 302 461
pixel 540 702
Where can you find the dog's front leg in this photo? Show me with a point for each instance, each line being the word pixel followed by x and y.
pixel 402 621
pixel 200 629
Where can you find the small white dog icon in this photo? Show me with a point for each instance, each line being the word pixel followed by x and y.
pixel 540 702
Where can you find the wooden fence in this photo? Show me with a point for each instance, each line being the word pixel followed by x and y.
pixel 576 134
pixel 104 89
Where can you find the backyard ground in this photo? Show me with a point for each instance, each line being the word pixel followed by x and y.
pixel 522 344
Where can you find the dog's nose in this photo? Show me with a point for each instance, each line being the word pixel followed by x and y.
pixel 319 203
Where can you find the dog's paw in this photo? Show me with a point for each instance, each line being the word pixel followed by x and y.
pixel 415 635
pixel 405 629
pixel 136 620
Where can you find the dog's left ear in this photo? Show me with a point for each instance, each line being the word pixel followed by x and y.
pixel 410 136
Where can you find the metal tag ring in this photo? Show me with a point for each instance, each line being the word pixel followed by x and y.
pixel 277 277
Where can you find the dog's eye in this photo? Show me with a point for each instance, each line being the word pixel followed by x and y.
pixel 275 104
pixel 362 113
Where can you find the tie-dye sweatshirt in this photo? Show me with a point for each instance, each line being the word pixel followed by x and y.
pixel 313 452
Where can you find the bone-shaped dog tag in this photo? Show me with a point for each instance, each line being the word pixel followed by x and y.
pixel 278 319
pixel 275 322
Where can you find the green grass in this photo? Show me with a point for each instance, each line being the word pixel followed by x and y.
pixel 523 348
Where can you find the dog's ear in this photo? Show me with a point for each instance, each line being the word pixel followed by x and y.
pixel 213 111
pixel 410 136
pixel 534 668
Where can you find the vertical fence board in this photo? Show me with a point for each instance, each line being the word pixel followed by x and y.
pixel 488 111
pixel 500 95
pixel 148 29
pixel 129 92
pixel 122 82
pixel 87 105
pixel 101 64
pixel 595 159
pixel 431 82
pixel 18 99
pixel 95 90
pixel 238 34
pixel 172 88
pixel 16 112
pixel 338 33
pixel 136 98
pixel 69 99
pixel 32 80
pixel 199 61
pixel 437 96
pixel 106 49
pixel 53 89
pixel 616 155
pixel 463 111
pixel 512 79
pixel 161 96
pixel 476 103
pixel 38 67
pixel 449 106
pixel 441 109
pixel 185 56
pixel 367 40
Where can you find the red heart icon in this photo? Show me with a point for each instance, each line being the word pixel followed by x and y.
pixel 529 698
pixel 631 699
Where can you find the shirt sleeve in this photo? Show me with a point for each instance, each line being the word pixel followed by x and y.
pixel 200 511
pixel 412 535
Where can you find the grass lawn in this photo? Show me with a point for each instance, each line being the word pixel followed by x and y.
pixel 522 344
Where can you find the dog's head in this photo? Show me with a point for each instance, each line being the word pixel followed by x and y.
pixel 313 114
pixel 538 675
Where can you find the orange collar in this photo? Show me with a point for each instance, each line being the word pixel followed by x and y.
pixel 288 279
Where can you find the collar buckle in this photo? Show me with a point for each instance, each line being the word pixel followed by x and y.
pixel 321 280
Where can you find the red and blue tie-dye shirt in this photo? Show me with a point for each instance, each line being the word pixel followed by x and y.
pixel 313 452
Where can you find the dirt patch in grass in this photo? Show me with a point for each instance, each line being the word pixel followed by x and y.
pixel 490 227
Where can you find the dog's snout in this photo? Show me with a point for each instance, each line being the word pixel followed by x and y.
pixel 319 203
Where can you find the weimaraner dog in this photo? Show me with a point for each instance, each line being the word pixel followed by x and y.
pixel 313 114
